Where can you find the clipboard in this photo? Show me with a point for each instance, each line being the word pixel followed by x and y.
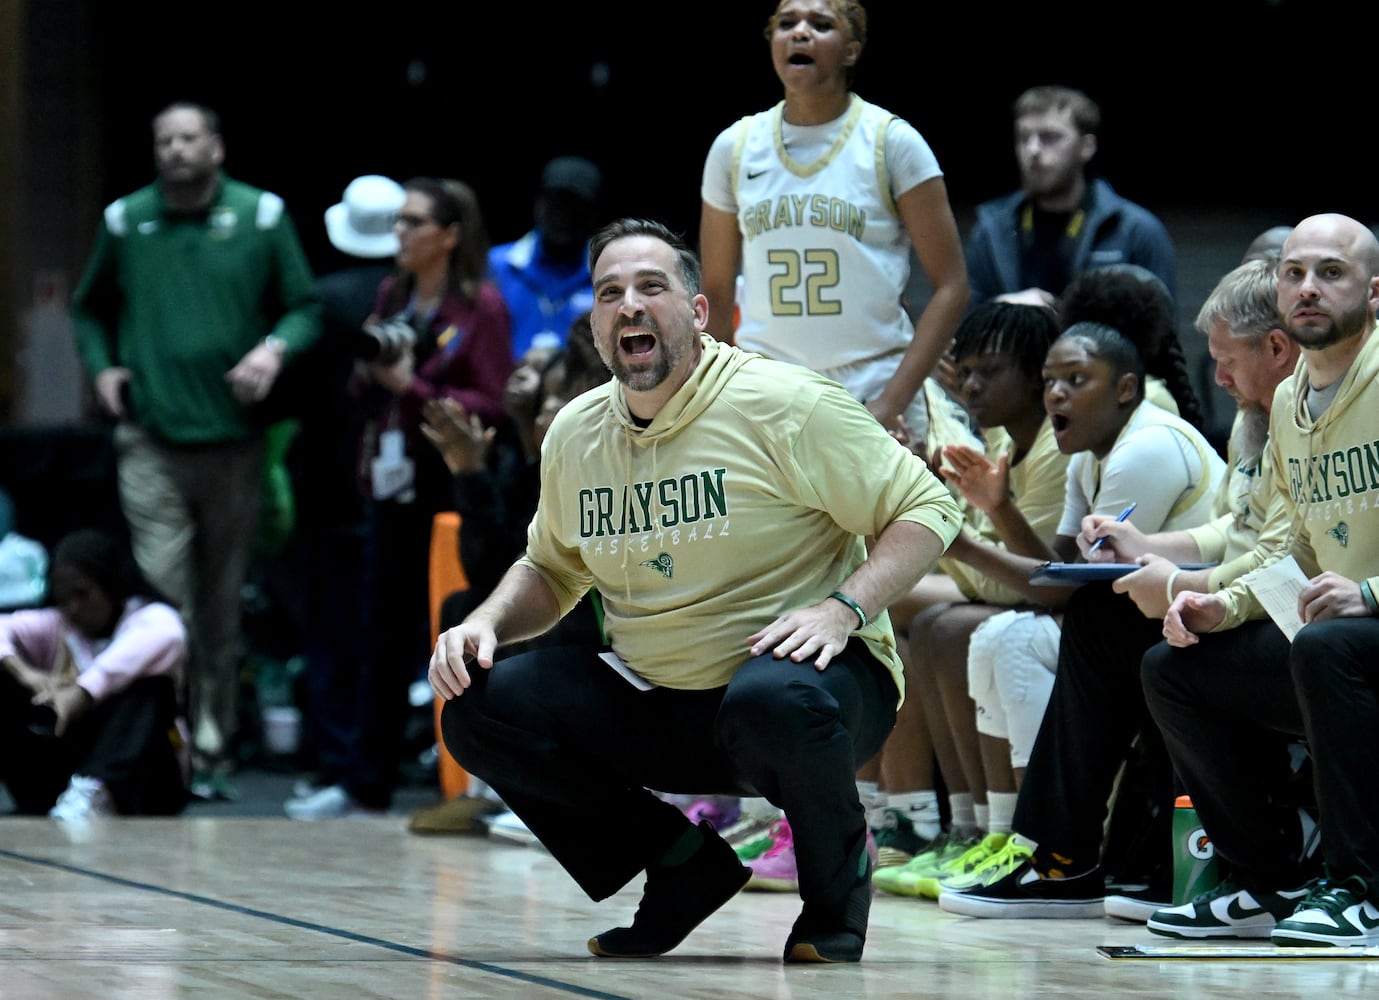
pixel 1075 573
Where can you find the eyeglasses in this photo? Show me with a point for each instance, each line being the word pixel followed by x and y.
pixel 413 221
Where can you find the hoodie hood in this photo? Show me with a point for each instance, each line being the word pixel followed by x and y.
pixel 715 369
pixel 1362 372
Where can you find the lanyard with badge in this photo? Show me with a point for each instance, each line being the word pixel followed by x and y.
pixel 392 474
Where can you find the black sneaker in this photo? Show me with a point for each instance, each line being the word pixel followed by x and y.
pixel 1135 904
pixel 676 900
pixel 1138 900
pixel 837 932
pixel 213 786
pixel 1227 911
pixel 1025 893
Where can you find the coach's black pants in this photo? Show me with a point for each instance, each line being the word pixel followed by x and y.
pixel 573 749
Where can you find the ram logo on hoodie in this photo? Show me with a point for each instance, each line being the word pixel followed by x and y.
pixel 662 564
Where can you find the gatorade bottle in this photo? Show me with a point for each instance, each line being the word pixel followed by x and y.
pixel 1194 857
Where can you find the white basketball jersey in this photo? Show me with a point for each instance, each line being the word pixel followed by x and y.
pixel 825 258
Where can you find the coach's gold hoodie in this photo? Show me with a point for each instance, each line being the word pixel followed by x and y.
pixel 748 495
pixel 1327 470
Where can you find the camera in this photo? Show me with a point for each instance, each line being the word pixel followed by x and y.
pixel 385 340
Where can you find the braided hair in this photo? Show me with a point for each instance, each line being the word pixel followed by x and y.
pixel 1135 301
pixel 1025 332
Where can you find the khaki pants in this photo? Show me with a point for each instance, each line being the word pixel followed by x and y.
pixel 193 514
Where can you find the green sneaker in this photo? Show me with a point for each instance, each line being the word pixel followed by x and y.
pixel 971 860
pixel 751 850
pixel 897 842
pixel 902 880
pixel 750 836
pixel 1000 863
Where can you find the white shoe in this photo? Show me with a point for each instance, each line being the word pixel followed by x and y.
pixel 83 799
pixel 1125 906
pixel 507 826
pixel 332 802
pixel 303 787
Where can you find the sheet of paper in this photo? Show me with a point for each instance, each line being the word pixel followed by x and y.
pixel 1277 588
pixel 631 676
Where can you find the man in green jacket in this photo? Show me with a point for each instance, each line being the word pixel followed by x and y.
pixel 196 294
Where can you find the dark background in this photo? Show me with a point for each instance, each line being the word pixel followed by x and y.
pixel 1240 105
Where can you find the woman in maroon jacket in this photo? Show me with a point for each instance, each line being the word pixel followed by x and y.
pixel 440 329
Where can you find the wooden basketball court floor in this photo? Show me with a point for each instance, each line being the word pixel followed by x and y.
pixel 267 908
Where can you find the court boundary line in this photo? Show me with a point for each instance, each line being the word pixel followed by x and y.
pixel 308 925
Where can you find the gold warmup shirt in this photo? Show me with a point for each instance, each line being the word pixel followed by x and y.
pixel 749 494
pixel 1327 473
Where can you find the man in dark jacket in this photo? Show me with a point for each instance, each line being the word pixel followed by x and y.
pixel 1026 246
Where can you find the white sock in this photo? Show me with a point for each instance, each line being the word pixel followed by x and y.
pixel 962 808
pixel 1002 806
pixel 982 812
pixel 921 808
pixel 874 801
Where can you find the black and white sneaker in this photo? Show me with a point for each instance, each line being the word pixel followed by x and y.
pixel 1025 893
pixel 1227 911
pixel 1332 914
